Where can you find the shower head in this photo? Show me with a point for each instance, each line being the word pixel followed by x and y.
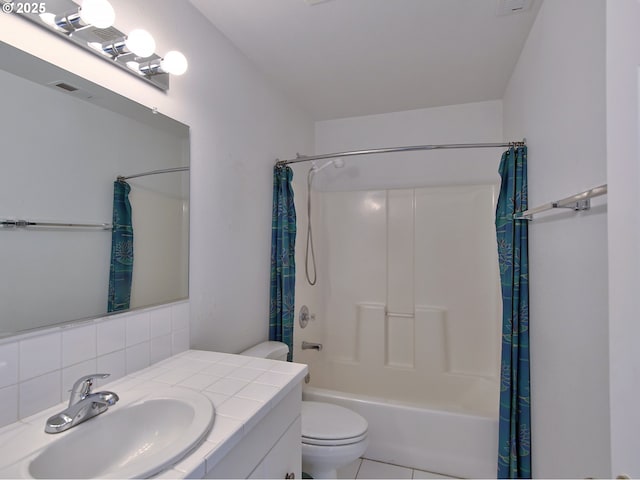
pixel 336 162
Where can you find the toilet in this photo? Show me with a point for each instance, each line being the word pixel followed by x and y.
pixel 332 436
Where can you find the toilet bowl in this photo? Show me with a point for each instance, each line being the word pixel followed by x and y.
pixel 332 436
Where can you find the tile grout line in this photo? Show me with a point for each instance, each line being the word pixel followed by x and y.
pixel 358 469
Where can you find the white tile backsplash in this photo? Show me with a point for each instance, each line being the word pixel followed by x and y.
pixel 9 402
pixel 37 370
pixel 159 348
pixel 40 355
pixel 39 393
pixel 78 344
pixel 111 335
pixel 180 341
pixel 137 329
pixel 160 322
pixel 137 357
pixel 180 316
pixel 8 364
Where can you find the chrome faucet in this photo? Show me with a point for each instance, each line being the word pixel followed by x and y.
pixel 83 405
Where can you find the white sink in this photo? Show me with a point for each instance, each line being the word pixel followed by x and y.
pixel 141 438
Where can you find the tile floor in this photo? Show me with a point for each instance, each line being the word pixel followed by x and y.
pixel 363 468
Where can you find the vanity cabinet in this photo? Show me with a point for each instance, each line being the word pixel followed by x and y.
pixel 271 448
pixel 284 458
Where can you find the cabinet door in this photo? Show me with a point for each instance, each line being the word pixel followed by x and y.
pixel 285 458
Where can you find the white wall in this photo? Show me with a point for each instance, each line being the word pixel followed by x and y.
pixel 239 125
pixel 623 171
pixel 466 123
pixel 556 98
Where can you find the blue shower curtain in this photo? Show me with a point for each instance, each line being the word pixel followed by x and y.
pixel 121 270
pixel 283 263
pixel 514 444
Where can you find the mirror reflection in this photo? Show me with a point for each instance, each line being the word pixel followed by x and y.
pixel 65 142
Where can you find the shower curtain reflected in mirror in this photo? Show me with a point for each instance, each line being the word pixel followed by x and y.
pixel 121 270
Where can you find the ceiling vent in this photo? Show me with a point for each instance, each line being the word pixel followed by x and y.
pixel 67 87
pixel 511 7
pixel 71 90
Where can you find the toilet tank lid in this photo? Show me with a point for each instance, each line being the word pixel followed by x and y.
pixel 268 349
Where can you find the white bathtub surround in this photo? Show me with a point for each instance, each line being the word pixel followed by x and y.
pixel 412 296
pixel 239 413
pixel 454 444
pixel 37 369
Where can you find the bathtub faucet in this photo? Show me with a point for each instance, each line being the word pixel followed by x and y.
pixel 311 346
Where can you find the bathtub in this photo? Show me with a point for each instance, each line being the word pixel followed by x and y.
pixel 445 442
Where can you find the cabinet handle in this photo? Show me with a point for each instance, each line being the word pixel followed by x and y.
pixel 290 475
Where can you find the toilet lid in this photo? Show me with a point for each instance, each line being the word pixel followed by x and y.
pixel 328 424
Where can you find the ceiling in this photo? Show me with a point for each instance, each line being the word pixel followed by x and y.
pixel 343 58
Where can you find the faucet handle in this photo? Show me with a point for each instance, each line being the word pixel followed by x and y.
pixel 82 387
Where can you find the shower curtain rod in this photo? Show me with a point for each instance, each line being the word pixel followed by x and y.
pixel 153 172
pixel 305 158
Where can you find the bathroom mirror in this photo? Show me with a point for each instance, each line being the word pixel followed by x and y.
pixel 65 141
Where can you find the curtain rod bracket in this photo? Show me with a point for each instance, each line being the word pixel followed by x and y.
pixel 578 206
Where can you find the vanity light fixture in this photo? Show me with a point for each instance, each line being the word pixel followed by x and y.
pixel 90 26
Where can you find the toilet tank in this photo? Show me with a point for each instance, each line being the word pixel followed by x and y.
pixel 270 349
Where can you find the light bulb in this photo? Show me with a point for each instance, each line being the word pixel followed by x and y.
pixel 174 62
pixel 98 13
pixel 141 43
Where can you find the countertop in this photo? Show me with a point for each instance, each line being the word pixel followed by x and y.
pixel 242 389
